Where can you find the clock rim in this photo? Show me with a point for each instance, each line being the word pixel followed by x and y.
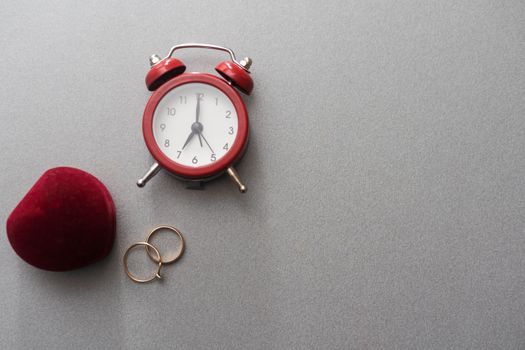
pixel 206 171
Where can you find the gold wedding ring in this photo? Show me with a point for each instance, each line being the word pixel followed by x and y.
pixel 154 254
pixel 171 229
pixel 132 276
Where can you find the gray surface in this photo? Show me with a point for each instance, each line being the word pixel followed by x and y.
pixel 386 201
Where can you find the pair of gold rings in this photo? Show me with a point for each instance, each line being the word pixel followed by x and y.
pixel 153 254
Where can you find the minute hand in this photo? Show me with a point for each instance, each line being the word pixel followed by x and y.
pixel 198 109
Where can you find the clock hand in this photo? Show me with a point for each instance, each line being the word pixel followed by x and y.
pixel 201 134
pixel 197 112
pixel 197 127
pixel 188 139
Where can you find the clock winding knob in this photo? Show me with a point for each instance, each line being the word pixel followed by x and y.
pixel 246 63
pixel 154 59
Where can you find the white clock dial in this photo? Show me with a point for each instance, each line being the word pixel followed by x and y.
pixel 195 124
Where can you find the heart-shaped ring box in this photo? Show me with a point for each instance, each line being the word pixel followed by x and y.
pixel 65 221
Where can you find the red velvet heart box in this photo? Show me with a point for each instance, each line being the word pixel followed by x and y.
pixel 65 221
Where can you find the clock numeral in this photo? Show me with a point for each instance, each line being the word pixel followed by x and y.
pixel 225 146
pixel 228 114
pixel 166 143
pixel 195 160
pixel 213 157
pixel 171 110
pixel 178 154
pixel 183 99
pixel 162 127
pixel 230 130
pixel 216 101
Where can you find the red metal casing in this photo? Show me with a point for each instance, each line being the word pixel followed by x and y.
pixel 236 75
pixel 163 71
pixel 207 171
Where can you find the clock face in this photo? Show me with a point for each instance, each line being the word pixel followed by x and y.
pixel 195 124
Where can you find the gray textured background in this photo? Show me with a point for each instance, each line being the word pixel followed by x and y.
pixel 386 202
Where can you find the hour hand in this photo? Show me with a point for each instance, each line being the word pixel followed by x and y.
pixel 188 139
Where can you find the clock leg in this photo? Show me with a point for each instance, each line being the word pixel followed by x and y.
pixel 155 168
pixel 236 178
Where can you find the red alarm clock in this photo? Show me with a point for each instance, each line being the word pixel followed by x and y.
pixel 195 124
